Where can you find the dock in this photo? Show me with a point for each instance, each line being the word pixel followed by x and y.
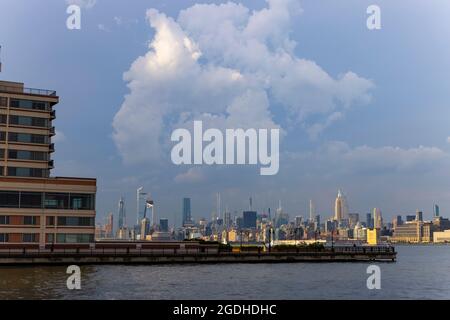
pixel 190 254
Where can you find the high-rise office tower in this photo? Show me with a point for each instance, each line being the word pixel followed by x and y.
pixel 377 218
pixel 164 225
pixel 228 222
pixel 122 217
pixel 317 223
pixel 436 211
pixel 145 228
pixel 186 211
pixel 298 221
pixel 353 219
pixel 311 211
pixel 38 209
pixel 419 215
pixel 340 208
pixel 109 225
pixel 140 205
pixel 369 220
pixel 249 219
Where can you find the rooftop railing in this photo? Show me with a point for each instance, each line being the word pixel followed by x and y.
pixel 39 92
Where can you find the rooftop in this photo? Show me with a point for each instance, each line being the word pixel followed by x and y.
pixel 17 87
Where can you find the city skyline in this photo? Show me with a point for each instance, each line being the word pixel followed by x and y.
pixel 376 135
pixel 378 216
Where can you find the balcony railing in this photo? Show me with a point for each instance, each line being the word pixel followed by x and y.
pixel 39 92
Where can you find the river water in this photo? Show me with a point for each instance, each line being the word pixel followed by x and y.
pixel 421 272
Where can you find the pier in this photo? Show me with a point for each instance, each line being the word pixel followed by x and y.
pixel 191 253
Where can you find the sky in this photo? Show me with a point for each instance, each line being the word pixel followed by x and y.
pixel 366 111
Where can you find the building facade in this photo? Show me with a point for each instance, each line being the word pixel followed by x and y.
pixel 35 208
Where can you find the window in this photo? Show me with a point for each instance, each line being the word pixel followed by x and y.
pixel 50 221
pixel 56 201
pixel 76 221
pixel 29 104
pixel 31 200
pixel 2 136
pixel 28 172
pixel 4 237
pixel 3 118
pixel 28 121
pixel 30 237
pixel 27 155
pixel 30 220
pixel 26 199
pixel 74 238
pixel 2 102
pixel 82 201
pixel 4 220
pixel 28 138
pixel 50 238
pixel 2 153
pixel 9 199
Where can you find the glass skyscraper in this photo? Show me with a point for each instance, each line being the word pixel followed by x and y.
pixel 186 211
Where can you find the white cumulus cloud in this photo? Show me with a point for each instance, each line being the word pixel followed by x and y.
pixel 230 67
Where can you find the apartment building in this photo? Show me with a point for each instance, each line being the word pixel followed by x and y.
pixel 37 209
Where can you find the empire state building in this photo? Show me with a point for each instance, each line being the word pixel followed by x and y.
pixel 340 208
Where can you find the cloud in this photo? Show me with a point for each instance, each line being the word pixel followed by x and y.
pixel 87 4
pixel 230 67
pixel 448 139
pixel 387 159
pixel 193 175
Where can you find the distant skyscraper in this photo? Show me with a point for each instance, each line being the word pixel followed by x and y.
pixel 377 218
pixel 140 205
pixel 298 221
pixel 419 215
pixel 410 218
pixel 369 221
pixel 186 211
pixel 249 219
pixel 109 226
pixel 164 225
pixel 239 222
pixel 311 211
pixel 353 219
pixel 397 221
pixel 122 217
pixel 436 211
pixel 150 205
pixel 145 228
pixel 340 208
pixel 317 223
pixel 227 219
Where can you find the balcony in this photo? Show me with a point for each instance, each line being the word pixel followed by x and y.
pixel 32 91
pixel 53 115
pixel 51 147
pixel 52 131
pixel 51 164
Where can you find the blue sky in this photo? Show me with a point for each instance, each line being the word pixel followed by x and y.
pixel 389 152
